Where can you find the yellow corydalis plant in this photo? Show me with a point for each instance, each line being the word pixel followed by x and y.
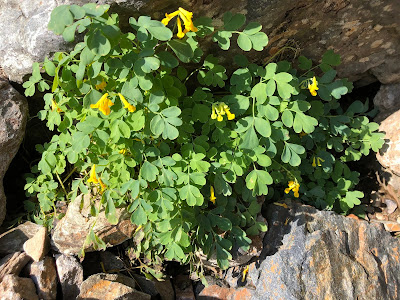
pixel 293 186
pixel 313 86
pixel 101 86
pixel 54 106
pixel 218 110
pixel 93 179
pixel 127 105
pixel 103 104
pixel 186 17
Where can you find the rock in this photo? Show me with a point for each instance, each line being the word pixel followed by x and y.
pixel 111 262
pixel 14 239
pixel 363 32
pixel 387 100
pixel 16 288
pixel 110 286
pixel 389 155
pixel 44 275
pixel 322 255
pixel 392 226
pixel 183 288
pixel 38 245
pixel 70 275
pixel 13 264
pixel 70 233
pixel 154 288
pixel 391 206
pixel 215 292
pixel 13 118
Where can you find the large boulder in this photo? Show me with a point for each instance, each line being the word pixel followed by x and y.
pixel 363 32
pixel 389 155
pixel 311 254
pixel 387 100
pixel 13 117
pixel 70 233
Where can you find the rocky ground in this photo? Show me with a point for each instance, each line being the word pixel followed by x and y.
pixel 306 253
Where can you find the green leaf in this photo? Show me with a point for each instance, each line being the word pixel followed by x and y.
pixel 182 50
pixel 330 58
pixel 167 59
pixel 252 28
pixel 192 195
pixel 149 171
pixel 244 42
pixel 304 63
pixel 161 32
pixel 139 216
pixel 259 41
pixel 234 22
pixel 60 18
pixel 98 43
pixel 287 118
pixel 263 126
pixel 223 39
pixel 249 139
pixel 290 154
pixel 258 181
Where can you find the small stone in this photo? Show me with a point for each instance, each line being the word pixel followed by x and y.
pixel 13 264
pixel 14 239
pixel 380 216
pixel 154 288
pixel 70 275
pixel 392 226
pixel 110 286
pixel 183 288
pixel 44 275
pixel 391 206
pixel 38 245
pixel 215 292
pixel 16 288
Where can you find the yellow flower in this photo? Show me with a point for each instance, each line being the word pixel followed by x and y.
pixel 317 162
pixel 93 177
pixel 102 185
pixel 122 151
pixel 186 17
pixel 313 86
pixel 54 106
pixel 245 271
pixel 127 105
pixel 301 134
pixel 103 104
pixel 169 17
pixel 101 86
pixel 180 33
pixel 293 186
pixel 212 195
pixel 230 115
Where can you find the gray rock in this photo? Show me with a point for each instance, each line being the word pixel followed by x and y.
pixel 44 275
pixel 322 255
pixel 389 155
pixel 13 117
pixel 387 100
pixel 111 262
pixel 70 275
pixel 110 286
pixel 38 245
pixel 363 32
pixel 70 233
pixel 13 264
pixel 14 239
pixel 16 288
pixel 154 288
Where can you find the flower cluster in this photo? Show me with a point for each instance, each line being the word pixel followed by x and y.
pixel 186 17
pixel 293 186
pixel 212 195
pixel 104 104
pixel 220 109
pixel 317 162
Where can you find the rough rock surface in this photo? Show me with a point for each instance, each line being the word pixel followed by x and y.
pixel 16 288
pixel 321 255
pixel 389 155
pixel 154 288
pixel 13 264
pixel 14 239
pixel 363 32
pixel 13 117
pixel 387 100
pixel 70 275
pixel 44 275
pixel 70 233
pixel 110 286
pixel 38 245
